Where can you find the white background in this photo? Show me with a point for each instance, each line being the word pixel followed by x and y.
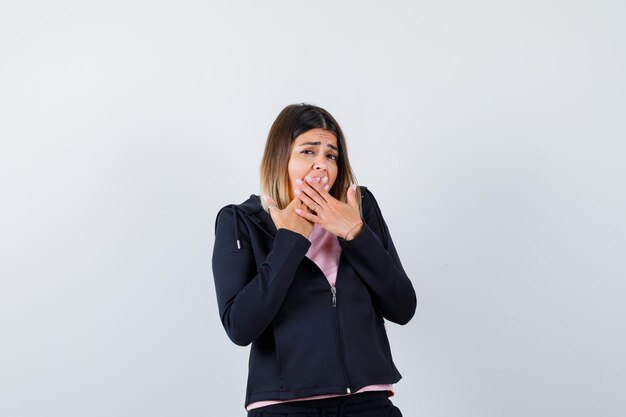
pixel 491 132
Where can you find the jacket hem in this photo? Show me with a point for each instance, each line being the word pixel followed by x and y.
pixel 309 392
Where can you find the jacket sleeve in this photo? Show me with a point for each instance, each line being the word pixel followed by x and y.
pixel 373 256
pixel 249 297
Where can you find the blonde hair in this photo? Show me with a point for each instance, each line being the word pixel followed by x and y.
pixel 292 121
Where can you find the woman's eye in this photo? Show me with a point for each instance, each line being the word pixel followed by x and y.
pixel 307 152
pixel 332 157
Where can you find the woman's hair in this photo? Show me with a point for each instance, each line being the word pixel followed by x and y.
pixel 294 120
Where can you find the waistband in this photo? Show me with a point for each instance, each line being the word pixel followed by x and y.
pixel 333 406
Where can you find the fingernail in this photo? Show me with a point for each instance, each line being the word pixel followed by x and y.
pixel 325 179
pixel 326 187
pixel 298 181
pixel 298 211
pixel 298 192
pixel 317 179
pixel 307 178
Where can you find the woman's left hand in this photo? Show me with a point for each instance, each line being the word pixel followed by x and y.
pixel 338 218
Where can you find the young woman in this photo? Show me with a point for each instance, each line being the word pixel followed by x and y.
pixel 307 274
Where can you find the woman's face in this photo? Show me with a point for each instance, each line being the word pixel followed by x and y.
pixel 314 154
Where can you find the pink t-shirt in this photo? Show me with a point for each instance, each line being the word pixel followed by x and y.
pixel 325 252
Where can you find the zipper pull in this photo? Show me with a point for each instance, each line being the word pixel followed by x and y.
pixel 348 390
pixel 334 291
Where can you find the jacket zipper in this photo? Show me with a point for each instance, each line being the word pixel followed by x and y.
pixel 333 291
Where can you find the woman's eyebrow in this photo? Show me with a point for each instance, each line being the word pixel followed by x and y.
pixel 318 144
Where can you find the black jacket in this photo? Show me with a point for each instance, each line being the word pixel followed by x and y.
pixel 308 338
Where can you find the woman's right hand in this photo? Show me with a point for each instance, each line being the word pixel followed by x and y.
pixel 288 218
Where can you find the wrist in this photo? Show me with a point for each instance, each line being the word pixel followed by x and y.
pixel 354 231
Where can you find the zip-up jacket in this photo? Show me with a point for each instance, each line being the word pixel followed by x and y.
pixel 309 338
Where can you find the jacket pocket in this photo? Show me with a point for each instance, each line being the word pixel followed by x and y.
pixel 279 367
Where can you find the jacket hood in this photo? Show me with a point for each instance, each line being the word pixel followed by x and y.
pixel 252 205
pixel 253 210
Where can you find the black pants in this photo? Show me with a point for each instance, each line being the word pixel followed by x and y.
pixel 366 404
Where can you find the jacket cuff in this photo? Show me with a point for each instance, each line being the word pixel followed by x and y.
pixel 366 239
pixel 299 241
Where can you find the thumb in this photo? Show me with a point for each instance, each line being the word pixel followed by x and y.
pixel 351 194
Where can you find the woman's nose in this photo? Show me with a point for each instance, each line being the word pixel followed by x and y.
pixel 320 164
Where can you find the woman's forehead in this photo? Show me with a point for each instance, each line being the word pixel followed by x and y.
pixel 317 135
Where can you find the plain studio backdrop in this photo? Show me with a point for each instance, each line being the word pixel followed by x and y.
pixel 492 133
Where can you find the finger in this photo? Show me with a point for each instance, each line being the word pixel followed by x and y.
pixel 308 201
pixel 310 191
pixel 269 202
pixel 351 195
pixel 296 203
pixel 321 186
pixel 307 215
